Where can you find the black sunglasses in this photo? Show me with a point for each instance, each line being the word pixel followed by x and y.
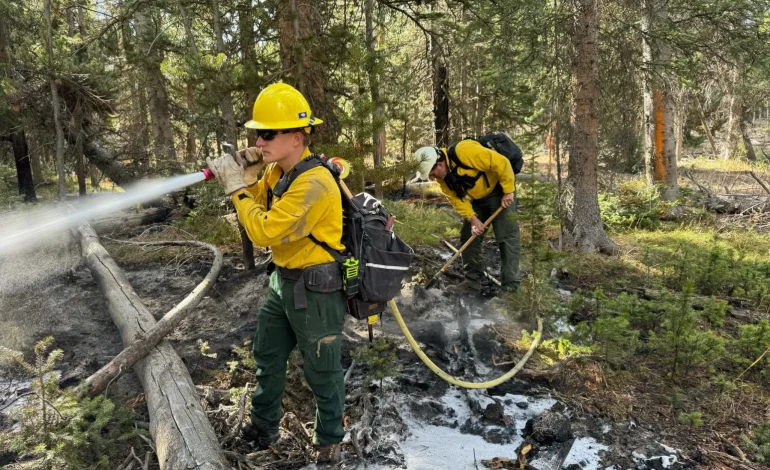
pixel 269 134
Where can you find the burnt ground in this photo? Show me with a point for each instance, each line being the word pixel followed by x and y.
pixel 415 420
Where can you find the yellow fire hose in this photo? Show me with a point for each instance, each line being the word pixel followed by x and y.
pixel 462 383
pixel 416 347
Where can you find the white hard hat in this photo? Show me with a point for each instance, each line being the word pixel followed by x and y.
pixel 426 158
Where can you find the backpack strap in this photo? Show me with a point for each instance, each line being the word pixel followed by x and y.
pixel 452 155
pixel 287 179
pixel 334 253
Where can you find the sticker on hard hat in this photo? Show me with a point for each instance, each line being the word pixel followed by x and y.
pixel 302 115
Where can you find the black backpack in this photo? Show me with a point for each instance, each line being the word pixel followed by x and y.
pixel 501 143
pixel 375 260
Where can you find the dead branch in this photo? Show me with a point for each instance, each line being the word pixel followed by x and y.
pixel 97 382
pixel 761 183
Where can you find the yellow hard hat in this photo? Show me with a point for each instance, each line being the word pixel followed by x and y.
pixel 281 106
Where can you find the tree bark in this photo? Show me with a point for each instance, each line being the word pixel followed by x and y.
pixel 184 438
pixel 76 11
pixel 23 168
pixel 226 103
pixel 659 102
pixel 751 155
pixel 440 96
pixel 150 58
pixel 378 114
pixel 138 125
pixel 191 147
pixel 584 222
pixel 93 173
pixel 55 103
pixel 300 39
pixel 736 116
pixel 249 62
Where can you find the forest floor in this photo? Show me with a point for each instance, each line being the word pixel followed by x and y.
pixel 573 407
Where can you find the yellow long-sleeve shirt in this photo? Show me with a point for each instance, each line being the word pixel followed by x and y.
pixel 311 205
pixel 480 159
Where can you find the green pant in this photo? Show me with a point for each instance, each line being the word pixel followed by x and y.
pixel 506 228
pixel 317 331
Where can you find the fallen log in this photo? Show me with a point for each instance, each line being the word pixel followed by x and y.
pixel 737 203
pixel 184 438
pixel 98 382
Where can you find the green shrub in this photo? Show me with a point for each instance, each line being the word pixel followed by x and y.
pixel 421 224
pixel 634 206
pixel 210 228
pixel 723 384
pixel 693 419
pixel 58 431
pixel 759 443
pixel 682 343
pixel 751 342
pixel 714 311
pixel 380 359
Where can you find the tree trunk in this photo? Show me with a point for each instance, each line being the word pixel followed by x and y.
pixel 93 173
pixel 440 96
pixel 80 168
pixel 751 155
pixel 76 12
pixel 736 116
pixel 659 101
pixel 706 127
pixel 378 114
pixel 226 103
pixel 249 63
pixel 584 222
pixel 681 117
pixel 300 39
pixel 55 103
pixel 191 150
pixel 105 160
pixel 138 125
pixel 37 169
pixel 184 438
pixel 23 168
pixel 150 57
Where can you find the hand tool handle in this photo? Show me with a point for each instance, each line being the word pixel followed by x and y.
pixel 459 252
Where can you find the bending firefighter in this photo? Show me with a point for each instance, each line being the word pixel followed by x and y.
pixel 305 306
pixel 477 181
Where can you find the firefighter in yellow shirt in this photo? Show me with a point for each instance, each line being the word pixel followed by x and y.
pixel 295 211
pixel 476 185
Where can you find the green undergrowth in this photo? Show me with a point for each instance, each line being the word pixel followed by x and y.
pixel 420 224
pixel 56 430
pixel 728 264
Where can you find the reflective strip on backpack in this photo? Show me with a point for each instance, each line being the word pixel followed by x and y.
pixel 385 266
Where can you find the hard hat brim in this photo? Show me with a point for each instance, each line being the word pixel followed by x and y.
pixel 252 124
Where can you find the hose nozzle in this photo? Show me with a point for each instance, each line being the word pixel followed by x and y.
pixel 207 174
